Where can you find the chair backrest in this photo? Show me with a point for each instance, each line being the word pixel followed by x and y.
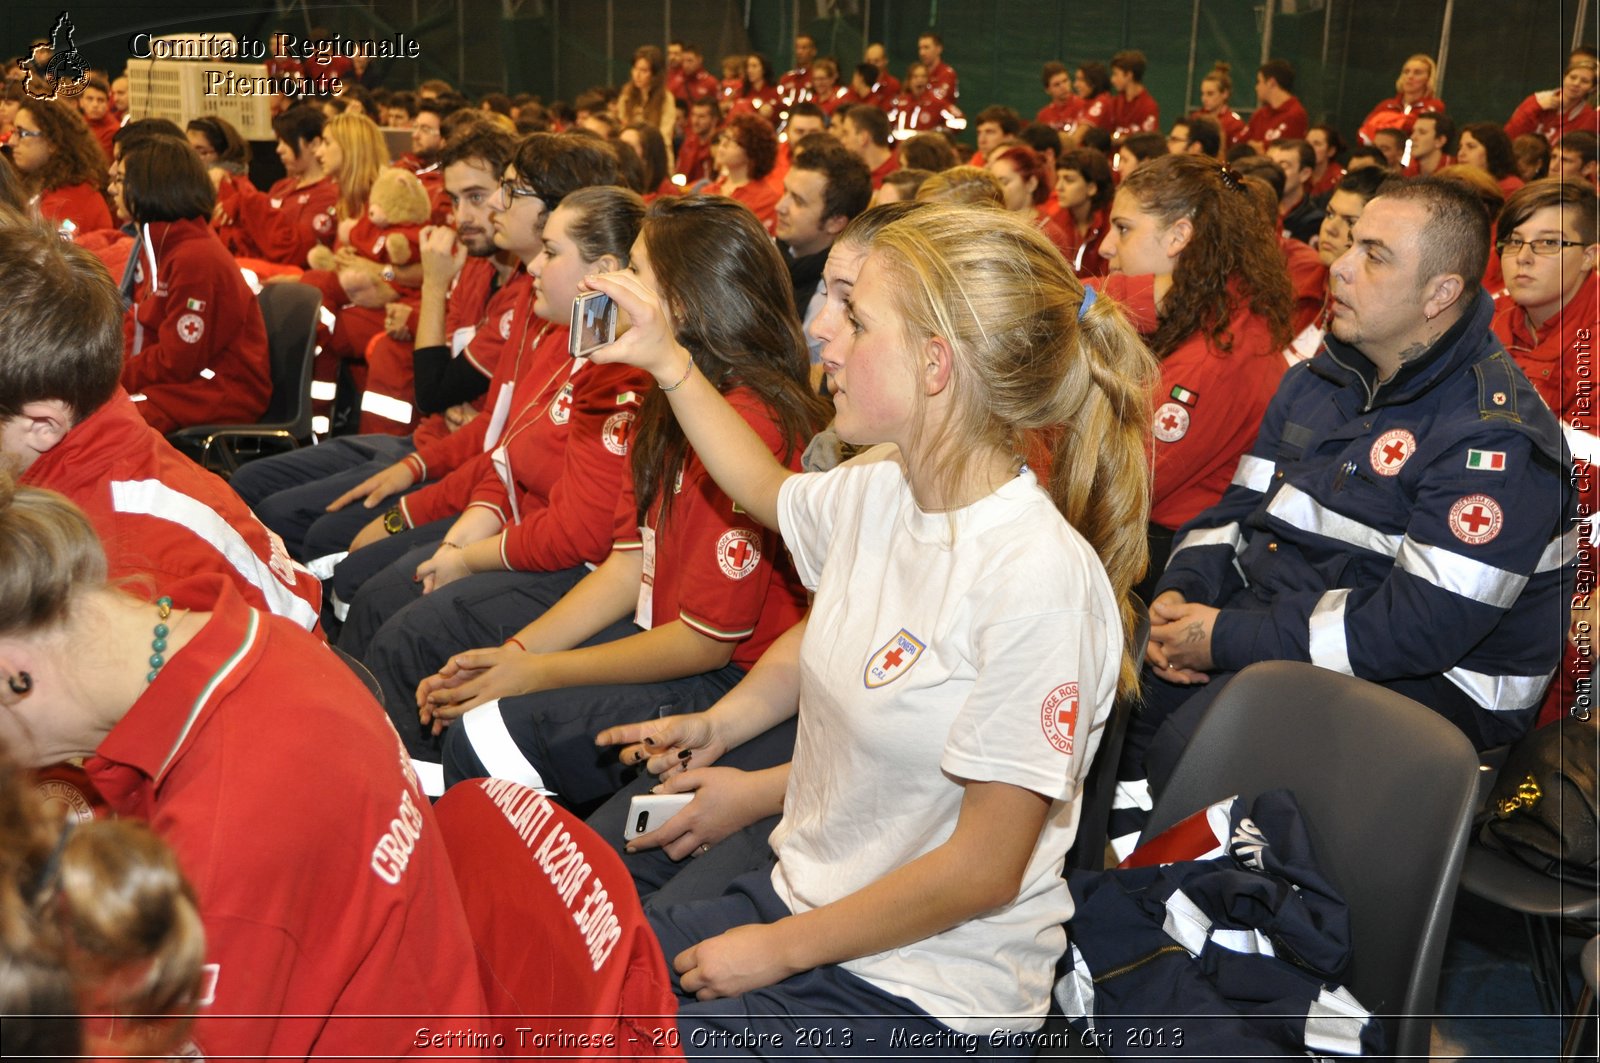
pixel 1388 789
pixel 1100 785
pixel 290 312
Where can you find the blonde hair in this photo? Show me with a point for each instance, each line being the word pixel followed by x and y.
pixel 51 554
pixel 1026 361
pixel 1433 71
pixel 365 154
pixel 963 186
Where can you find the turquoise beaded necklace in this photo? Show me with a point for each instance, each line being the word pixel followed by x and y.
pixel 158 645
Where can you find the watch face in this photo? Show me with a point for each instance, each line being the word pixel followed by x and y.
pixel 393 522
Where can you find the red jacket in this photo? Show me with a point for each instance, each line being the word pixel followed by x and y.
pixel 1233 127
pixel 597 978
pixel 694 160
pixel 1123 116
pixel 283 224
pixel 942 81
pixel 1287 121
pixel 841 96
pixel 105 129
pixel 456 462
pixel 564 452
pixel 195 341
pixel 1321 186
pixel 1540 113
pixel 323 882
pixel 160 515
pixel 83 205
pixel 758 194
pixel 916 114
pixel 1551 361
pixel 1197 447
pixel 1085 254
pixel 1309 278
pixel 1395 113
pixel 686 90
pixel 1061 115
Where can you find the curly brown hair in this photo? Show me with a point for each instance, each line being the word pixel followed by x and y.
pixel 1232 255
pixel 753 134
pixel 76 157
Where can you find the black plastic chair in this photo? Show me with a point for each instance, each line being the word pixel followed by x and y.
pixel 1088 852
pixel 290 311
pixel 1388 789
pixel 1545 904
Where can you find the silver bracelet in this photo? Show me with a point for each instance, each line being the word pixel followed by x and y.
pixel 686 371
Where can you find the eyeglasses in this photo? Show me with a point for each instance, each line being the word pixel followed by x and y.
pixel 1545 245
pixel 24 134
pixel 512 191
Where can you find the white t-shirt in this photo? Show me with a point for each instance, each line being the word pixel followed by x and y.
pixel 941 647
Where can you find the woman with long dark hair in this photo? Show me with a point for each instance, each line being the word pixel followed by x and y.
pixel 1192 247
pixel 645 97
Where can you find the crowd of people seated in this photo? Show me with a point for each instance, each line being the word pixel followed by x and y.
pixel 886 412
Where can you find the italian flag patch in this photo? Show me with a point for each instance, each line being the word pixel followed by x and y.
pixel 1184 395
pixel 1492 460
pixel 197 304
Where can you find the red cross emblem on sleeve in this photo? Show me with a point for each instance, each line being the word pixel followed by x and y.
pixel 738 552
pixel 191 327
pixel 561 408
pixel 1476 519
pixel 1171 422
pixel 1058 716
pixel 1391 450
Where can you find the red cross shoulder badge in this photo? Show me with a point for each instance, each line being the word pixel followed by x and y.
pixel 893 659
pixel 1171 422
pixel 738 552
pixel 1058 715
pixel 1476 519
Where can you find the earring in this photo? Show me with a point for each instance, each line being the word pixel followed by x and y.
pixel 20 683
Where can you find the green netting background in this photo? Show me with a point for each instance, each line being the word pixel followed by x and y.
pixel 1346 52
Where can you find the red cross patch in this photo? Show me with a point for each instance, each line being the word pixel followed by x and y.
pixel 191 327
pixel 1059 716
pixel 615 432
pixel 1171 422
pixel 1476 519
pixel 1390 451
pixel 323 223
pixel 561 406
pixel 738 552
pixel 505 324
pixel 893 659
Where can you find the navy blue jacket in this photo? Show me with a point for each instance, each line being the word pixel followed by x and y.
pixel 1417 533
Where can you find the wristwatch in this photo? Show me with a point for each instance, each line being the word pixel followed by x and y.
pixel 394 522
pixel 388 274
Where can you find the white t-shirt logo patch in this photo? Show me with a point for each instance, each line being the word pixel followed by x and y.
pixel 191 327
pixel 893 659
pixel 616 431
pixel 738 552
pixel 1171 422
pixel 1059 716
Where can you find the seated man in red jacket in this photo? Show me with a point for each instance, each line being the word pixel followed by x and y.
pixel 65 424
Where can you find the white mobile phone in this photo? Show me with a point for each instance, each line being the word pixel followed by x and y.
pixel 649 811
pixel 594 323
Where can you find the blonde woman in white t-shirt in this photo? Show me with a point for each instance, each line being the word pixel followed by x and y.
pixel 968 635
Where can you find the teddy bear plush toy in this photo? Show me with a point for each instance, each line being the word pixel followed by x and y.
pixel 387 238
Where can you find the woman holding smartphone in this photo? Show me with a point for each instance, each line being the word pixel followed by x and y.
pixel 693 590
pixel 932 795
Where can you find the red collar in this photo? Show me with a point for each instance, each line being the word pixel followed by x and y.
pixel 160 727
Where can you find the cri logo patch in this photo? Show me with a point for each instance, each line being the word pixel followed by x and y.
pixel 893 659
